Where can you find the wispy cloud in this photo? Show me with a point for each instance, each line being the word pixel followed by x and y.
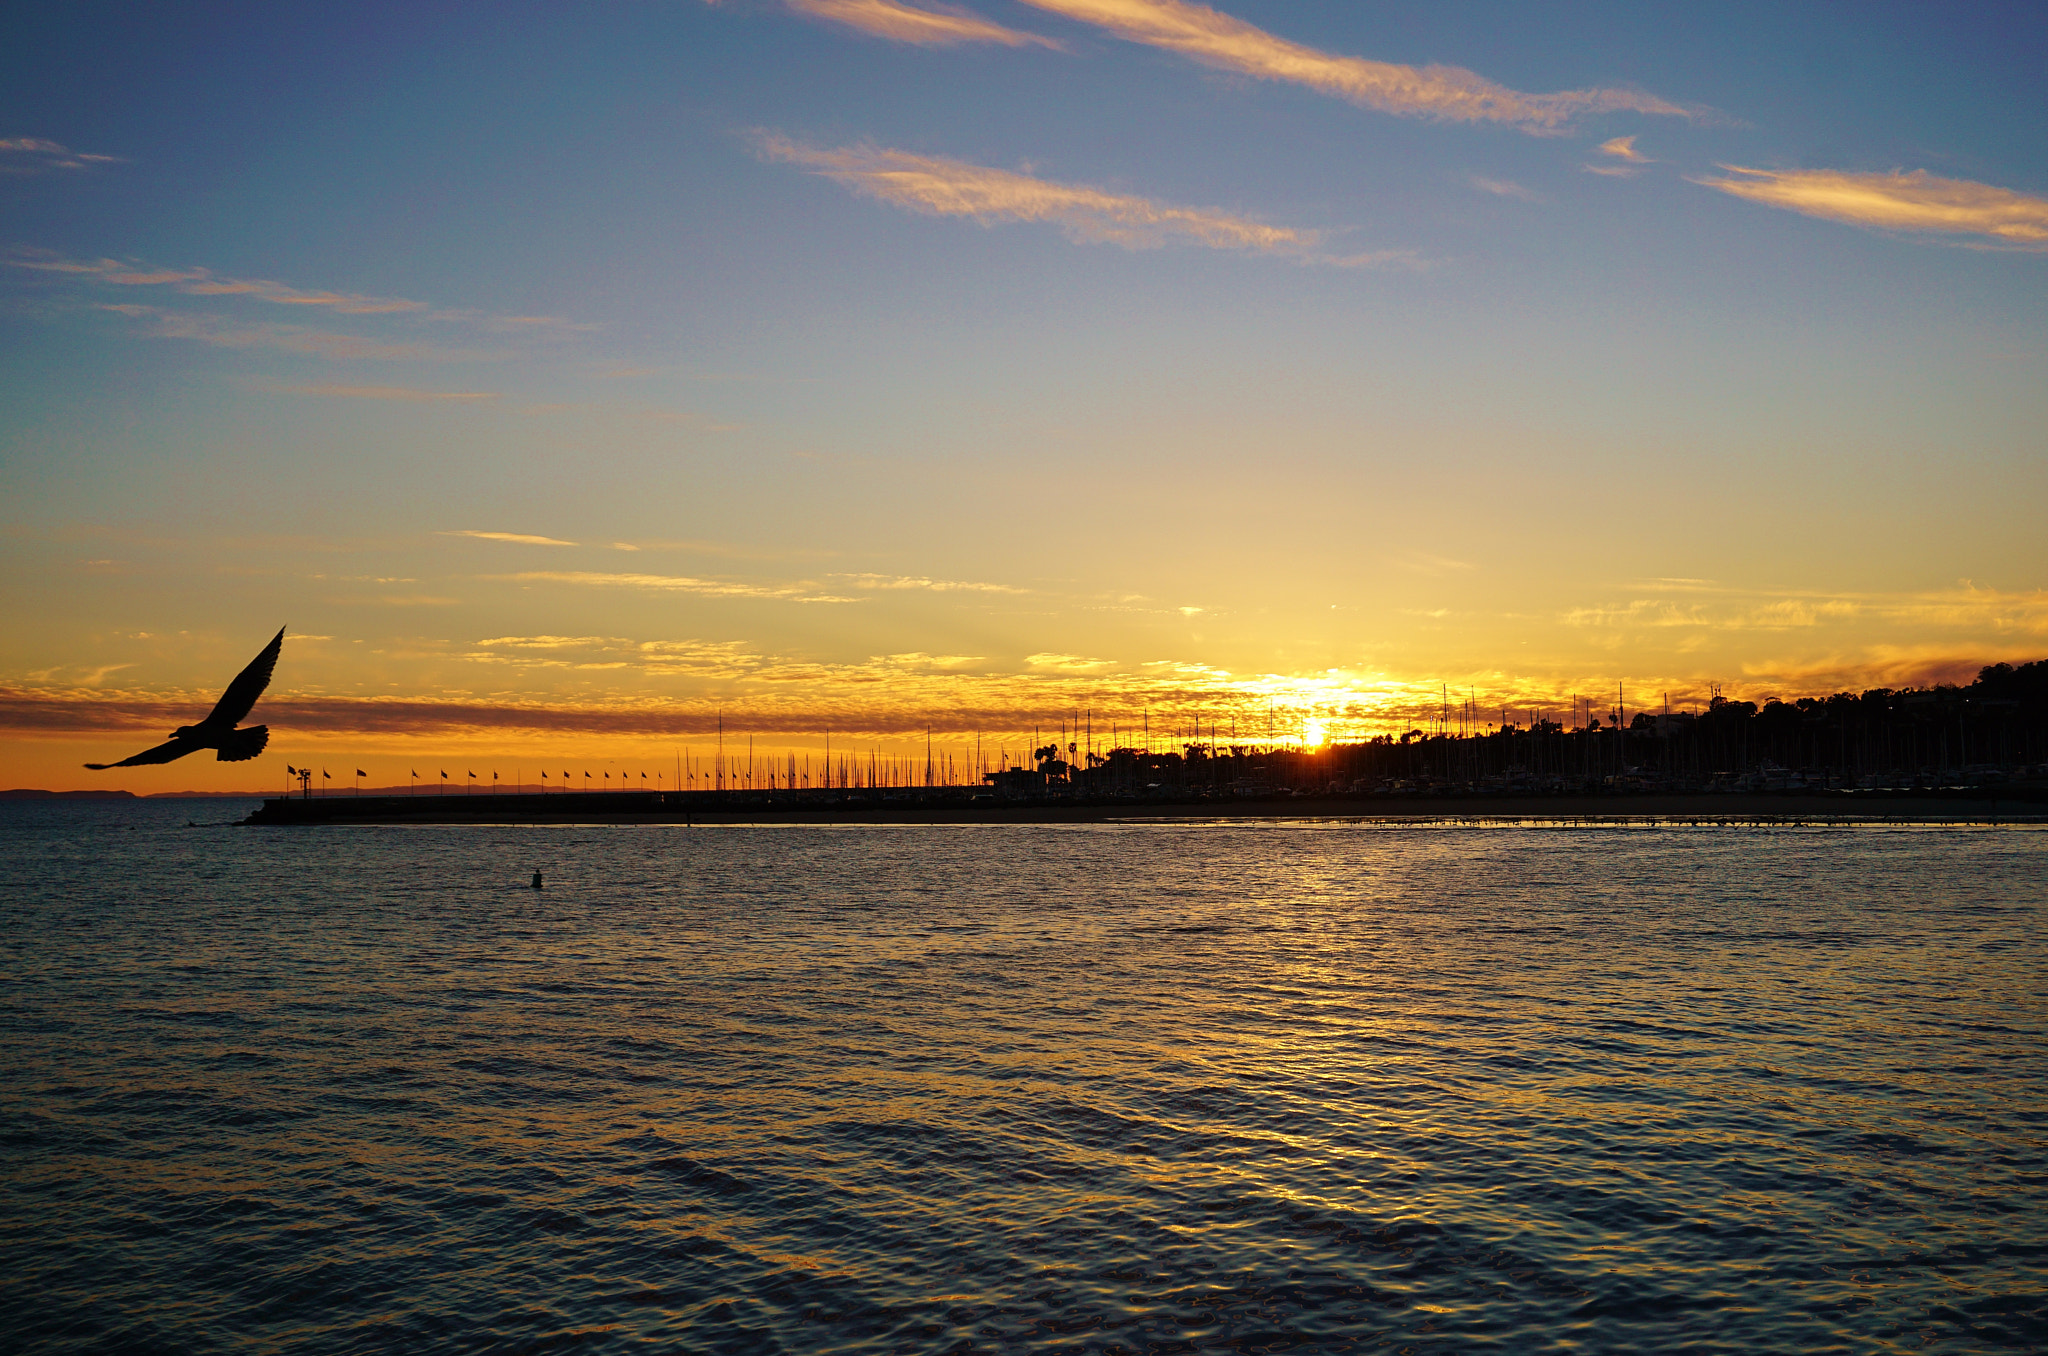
pixel 1505 188
pixel 942 187
pixel 1892 666
pixel 653 658
pixel 1915 202
pixel 1784 615
pixel 547 642
pixel 673 583
pixel 34 155
pixel 203 282
pixel 945 26
pixel 1624 150
pixel 401 600
pixel 902 581
pixel 1068 663
pixel 918 659
pixel 200 282
pixel 1713 608
pixel 1445 93
pixel 385 393
pixel 697 658
pixel 954 188
pixel 221 332
pixel 521 538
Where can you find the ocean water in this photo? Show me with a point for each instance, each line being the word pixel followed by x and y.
pixel 1161 1088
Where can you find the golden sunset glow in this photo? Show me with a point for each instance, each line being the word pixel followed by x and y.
pixel 894 372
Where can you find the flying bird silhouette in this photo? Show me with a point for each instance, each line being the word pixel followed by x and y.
pixel 218 730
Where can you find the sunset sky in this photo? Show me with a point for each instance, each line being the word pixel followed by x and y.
pixel 565 377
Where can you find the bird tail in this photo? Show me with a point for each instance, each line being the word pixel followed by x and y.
pixel 242 745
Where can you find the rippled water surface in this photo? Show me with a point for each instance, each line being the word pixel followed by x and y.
pixel 1122 1089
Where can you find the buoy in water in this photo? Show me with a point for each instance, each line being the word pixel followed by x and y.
pixel 536 880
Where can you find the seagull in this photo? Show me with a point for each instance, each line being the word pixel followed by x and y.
pixel 218 730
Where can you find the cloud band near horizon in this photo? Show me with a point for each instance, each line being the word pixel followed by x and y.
pixel 934 693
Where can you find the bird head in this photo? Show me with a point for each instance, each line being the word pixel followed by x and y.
pixel 184 730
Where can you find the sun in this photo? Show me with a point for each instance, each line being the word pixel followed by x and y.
pixel 1312 734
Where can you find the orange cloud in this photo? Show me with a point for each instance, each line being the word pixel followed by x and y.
pixel 902 581
pixel 905 694
pixel 1068 663
pixel 1965 607
pixel 925 27
pixel 1623 149
pixel 1445 93
pixel 519 537
pixel 201 282
pixel 954 188
pixel 1916 201
pixel 675 583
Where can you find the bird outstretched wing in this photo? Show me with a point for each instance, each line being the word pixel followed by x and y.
pixel 167 752
pixel 240 698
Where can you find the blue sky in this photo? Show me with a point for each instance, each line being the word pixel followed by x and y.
pixel 1085 363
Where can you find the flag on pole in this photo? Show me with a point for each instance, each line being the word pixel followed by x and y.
pixel 290 771
pixel 326 775
pixel 444 774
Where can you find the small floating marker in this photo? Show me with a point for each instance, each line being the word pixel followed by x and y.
pixel 536 880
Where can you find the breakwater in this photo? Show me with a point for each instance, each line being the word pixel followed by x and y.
pixel 963 805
